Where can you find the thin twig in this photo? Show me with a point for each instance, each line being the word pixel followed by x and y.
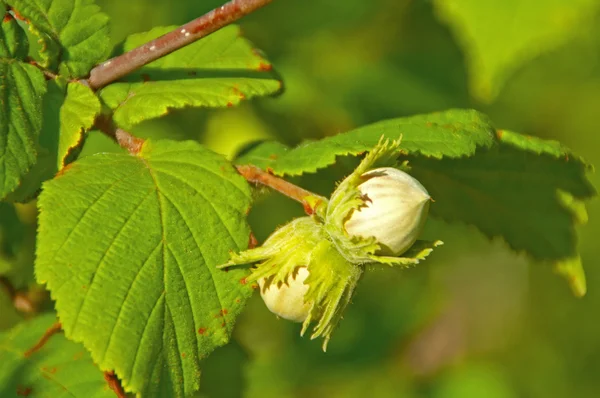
pixel 256 175
pixel 48 74
pixel 126 140
pixel 119 66
pixel 51 331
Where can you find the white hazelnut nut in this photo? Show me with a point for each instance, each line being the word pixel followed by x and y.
pixel 287 300
pixel 395 210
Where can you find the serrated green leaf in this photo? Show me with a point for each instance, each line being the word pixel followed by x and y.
pixel 128 248
pixel 217 71
pixel 453 134
pixel 572 270
pixel 515 190
pixel 77 115
pixel 500 36
pixel 61 368
pixel 13 39
pixel 21 90
pixel 69 111
pixel 73 33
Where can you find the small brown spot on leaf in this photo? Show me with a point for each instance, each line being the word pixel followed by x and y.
pixel 183 354
pixel 78 355
pixel 224 312
pixel 201 330
pixel 192 73
pixel 49 370
pixel 252 242
pixel 145 77
pixel 63 170
pixel 23 391
pixel 273 157
pixel 264 67
pixel 499 134
pixel 238 93
pixel 223 324
pixel 229 104
pixel 254 286
pixel 19 16
pixel 243 281
pixel 7 18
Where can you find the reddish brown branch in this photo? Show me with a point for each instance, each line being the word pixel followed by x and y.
pixel 126 140
pixel 256 175
pixel 114 384
pixel 119 66
pixel 51 331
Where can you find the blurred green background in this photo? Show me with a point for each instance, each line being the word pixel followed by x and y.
pixel 475 320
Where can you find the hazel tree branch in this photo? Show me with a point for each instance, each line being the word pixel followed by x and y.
pixel 125 139
pixel 119 66
pixel 308 199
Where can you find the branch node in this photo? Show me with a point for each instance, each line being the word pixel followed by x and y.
pixel 126 140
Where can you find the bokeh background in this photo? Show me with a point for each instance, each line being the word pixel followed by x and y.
pixel 475 320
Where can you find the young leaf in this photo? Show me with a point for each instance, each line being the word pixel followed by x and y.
pixel 454 133
pixel 499 37
pixel 73 33
pixel 77 115
pixel 60 368
pixel 69 111
pixel 525 189
pixel 21 89
pixel 128 247
pixel 217 71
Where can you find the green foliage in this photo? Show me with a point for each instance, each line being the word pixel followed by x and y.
pixel 128 247
pixel 129 244
pixel 452 133
pixel 521 188
pixel 218 71
pixel 60 368
pixel 21 89
pixel 12 234
pixel 17 244
pixel 77 114
pixel 73 33
pixel 517 190
pixel 500 36
pixel 69 111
